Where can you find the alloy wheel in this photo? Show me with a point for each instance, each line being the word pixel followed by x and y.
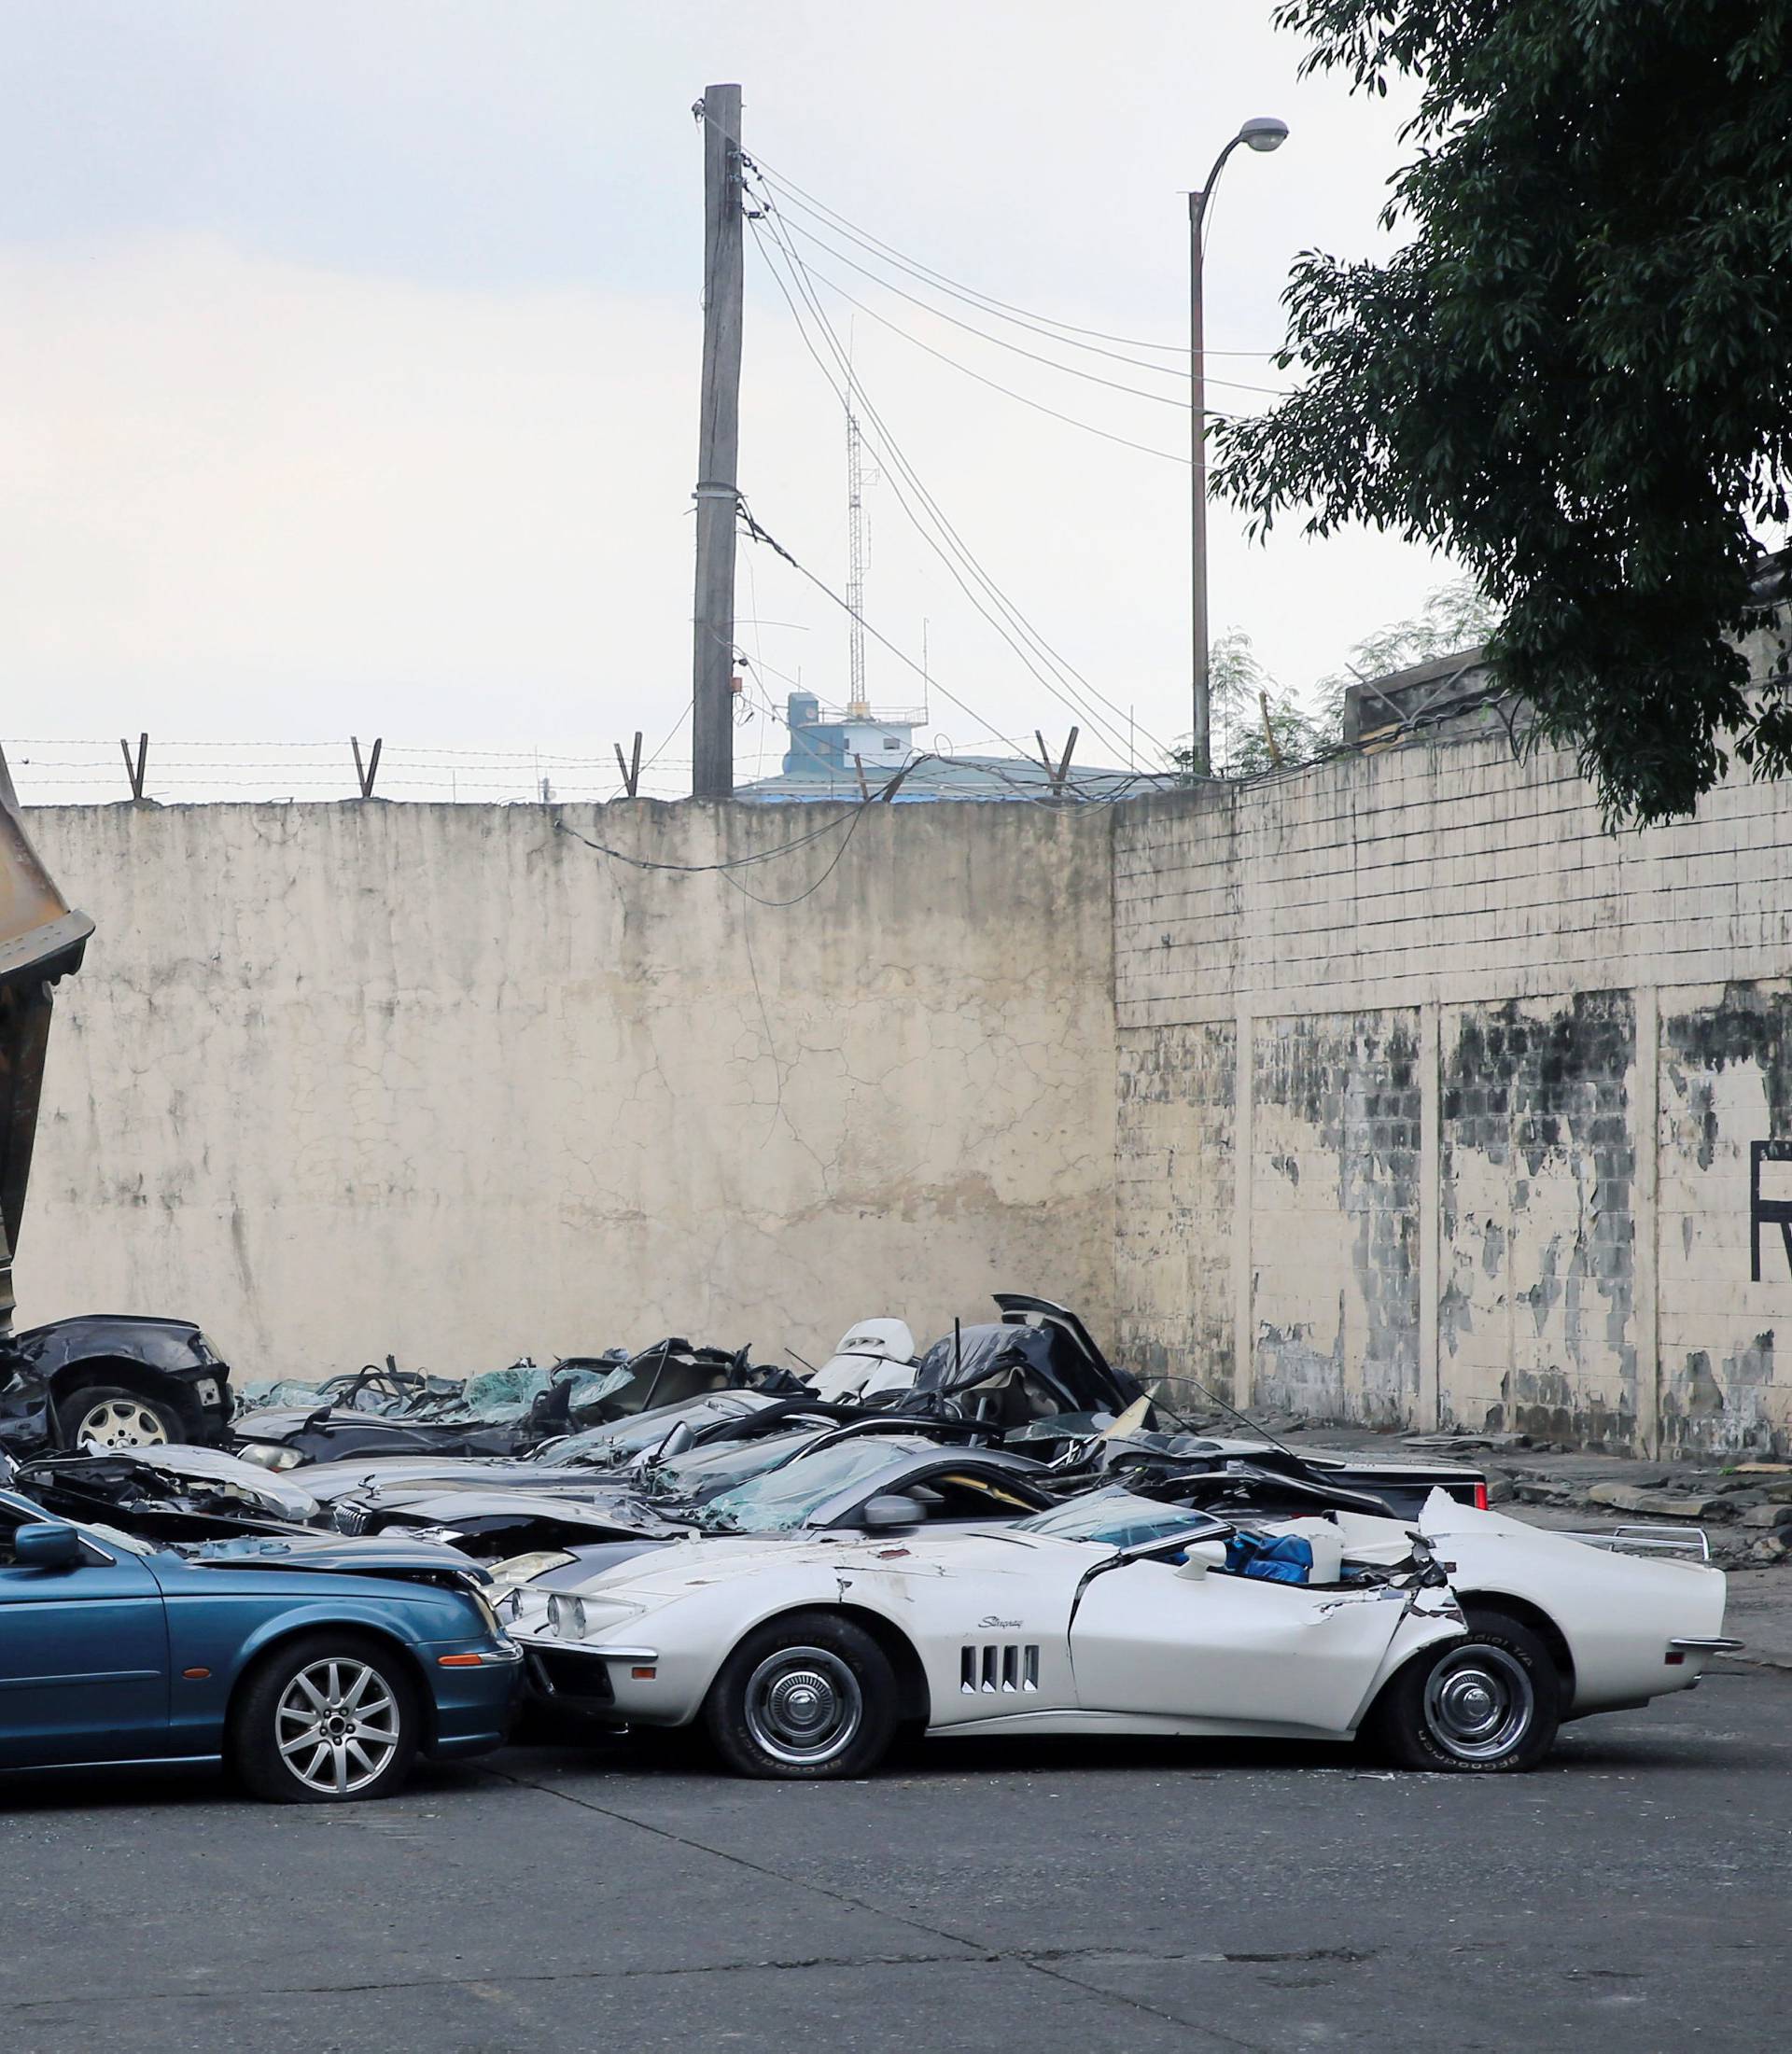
pixel 122 1422
pixel 337 1726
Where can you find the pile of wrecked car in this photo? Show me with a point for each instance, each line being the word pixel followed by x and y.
pixel 1004 1534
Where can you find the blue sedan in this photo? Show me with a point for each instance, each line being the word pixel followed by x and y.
pixel 319 1669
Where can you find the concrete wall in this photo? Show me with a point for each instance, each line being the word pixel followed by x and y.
pixel 339 1079
pixel 1488 1159
pixel 1395 1090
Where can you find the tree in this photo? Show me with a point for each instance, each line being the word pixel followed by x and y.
pixel 1237 686
pixel 1577 376
pixel 1454 617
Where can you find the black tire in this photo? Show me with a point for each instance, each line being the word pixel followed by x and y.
pixel 806 1697
pixel 263 1717
pixel 117 1418
pixel 1489 1705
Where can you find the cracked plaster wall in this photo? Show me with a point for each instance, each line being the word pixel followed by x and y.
pixel 343 1079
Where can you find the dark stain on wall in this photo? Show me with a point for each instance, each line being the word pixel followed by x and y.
pixel 1716 1397
pixel 1751 1025
pixel 1534 1094
pixel 1355 1084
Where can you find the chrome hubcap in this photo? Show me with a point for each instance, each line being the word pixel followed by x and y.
pixel 337 1725
pixel 120 1422
pixel 804 1706
pixel 1480 1703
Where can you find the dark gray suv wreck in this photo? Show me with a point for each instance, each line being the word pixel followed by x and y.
pixel 112 1379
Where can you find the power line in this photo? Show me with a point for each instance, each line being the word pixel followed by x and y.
pixel 995 384
pixel 1071 371
pixel 901 468
pixel 758 534
pixel 956 542
pixel 859 813
pixel 893 474
pixel 730 863
pixel 900 464
pixel 842 225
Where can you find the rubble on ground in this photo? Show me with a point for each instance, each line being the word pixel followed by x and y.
pixel 1743 1502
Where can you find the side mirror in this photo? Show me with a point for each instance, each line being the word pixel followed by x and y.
pixel 882 1513
pixel 47 1545
pixel 1202 1555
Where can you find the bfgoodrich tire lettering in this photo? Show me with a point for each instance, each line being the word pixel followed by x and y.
pixel 326 1719
pixel 810 1697
pixel 1488 1705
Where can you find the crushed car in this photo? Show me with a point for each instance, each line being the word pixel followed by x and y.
pixel 653 1500
pixel 1460 1646
pixel 383 1412
pixel 174 1493
pixel 1039 1380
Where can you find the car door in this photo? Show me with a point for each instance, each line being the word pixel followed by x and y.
pixel 1149 1637
pixel 83 1656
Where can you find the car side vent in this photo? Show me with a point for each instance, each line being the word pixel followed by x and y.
pixel 997 1667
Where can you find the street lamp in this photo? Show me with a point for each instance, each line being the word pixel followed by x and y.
pixel 1262 131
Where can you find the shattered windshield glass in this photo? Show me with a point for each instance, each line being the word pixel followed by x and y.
pixel 787 1497
pixel 705 1471
pixel 1114 1517
pixel 616 1441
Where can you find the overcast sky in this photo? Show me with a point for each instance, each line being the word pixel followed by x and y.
pixel 349 382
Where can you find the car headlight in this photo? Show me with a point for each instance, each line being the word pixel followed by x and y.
pixel 268 1455
pixel 568 1617
pixel 509 1575
pixel 578 1618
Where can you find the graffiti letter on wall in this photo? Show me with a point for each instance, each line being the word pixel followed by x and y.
pixel 1764 1212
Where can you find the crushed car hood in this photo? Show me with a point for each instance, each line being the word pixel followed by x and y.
pixel 183 1462
pixel 337 1555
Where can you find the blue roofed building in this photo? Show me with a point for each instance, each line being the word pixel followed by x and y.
pixel 831 745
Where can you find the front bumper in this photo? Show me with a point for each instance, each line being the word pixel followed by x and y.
pixel 577 1677
pixel 476 1701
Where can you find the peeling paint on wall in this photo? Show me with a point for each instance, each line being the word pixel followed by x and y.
pixel 1335 1224
pixel 1536 1241
pixel 1726 1086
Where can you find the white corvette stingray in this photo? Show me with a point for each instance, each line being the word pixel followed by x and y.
pixel 1115 1613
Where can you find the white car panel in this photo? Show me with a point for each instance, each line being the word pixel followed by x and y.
pixel 1149 1637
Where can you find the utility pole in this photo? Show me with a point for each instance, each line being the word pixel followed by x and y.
pixel 1262 132
pixel 1200 752
pixel 712 713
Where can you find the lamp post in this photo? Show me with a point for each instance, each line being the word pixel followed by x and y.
pixel 1262 131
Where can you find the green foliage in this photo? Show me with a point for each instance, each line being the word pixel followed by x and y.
pixel 1454 617
pixel 1577 376
pixel 1237 685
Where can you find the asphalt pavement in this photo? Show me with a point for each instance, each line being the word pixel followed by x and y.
pixel 1633 1894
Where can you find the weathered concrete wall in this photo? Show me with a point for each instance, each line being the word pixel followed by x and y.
pixel 1489 1161
pixel 1396 1089
pixel 339 1079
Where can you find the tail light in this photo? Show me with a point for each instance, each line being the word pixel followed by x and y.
pixel 1480 1496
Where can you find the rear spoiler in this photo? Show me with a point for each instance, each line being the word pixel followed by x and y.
pixel 42 938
